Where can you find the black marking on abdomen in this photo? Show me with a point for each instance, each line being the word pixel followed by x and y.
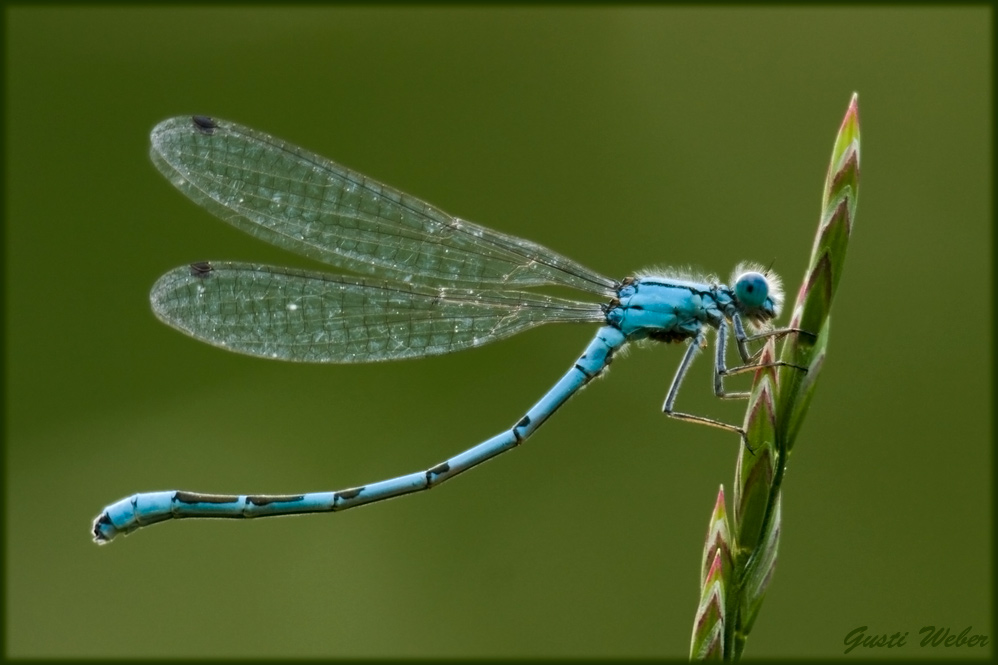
pixel 348 494
pixel 524 422
pixel 194 497
pixel 439 469
pixel 265 500
pixel 204 123
pixel 103 520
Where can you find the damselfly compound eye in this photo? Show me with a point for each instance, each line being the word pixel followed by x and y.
pixel 752 289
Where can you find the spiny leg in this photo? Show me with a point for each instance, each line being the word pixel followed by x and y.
pixel 670 399
pixel 720 368
pixel 720 364
pixel 742 339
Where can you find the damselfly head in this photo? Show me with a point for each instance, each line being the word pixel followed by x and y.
pixel 758 292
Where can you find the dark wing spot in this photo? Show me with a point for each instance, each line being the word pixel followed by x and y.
pixel 204 123
pixel 201 269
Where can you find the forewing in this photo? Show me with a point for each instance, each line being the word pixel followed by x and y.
pixel 308 204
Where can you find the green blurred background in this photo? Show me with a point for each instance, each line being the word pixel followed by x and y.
pixel 623 138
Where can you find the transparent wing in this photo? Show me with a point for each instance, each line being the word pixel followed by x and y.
pixel 305 203
pixel 317 317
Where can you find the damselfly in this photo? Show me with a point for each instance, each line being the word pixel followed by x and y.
pixel 436 284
